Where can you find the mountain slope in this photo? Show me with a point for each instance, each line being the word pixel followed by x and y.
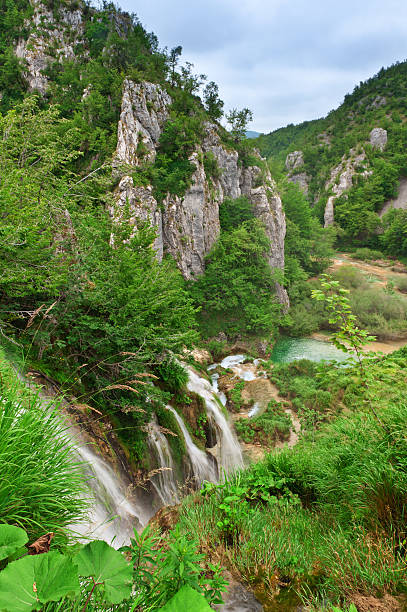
pixel 351 161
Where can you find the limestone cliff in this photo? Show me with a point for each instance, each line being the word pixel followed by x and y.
pixel 50 39
pixel 188 226
pixel 294 164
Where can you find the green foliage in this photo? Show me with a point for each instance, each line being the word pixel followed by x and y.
pixel 266 427
pixel 106 567
pixel 172 171
pixel 236 291
pixel 186 599
pixel 234 211
pixel 235 396
pixel 213 104
pixel 160 572
pixel 11 539
pixel 172 372
pixel 238 121
pixel 394 237
pixel 36 150
pixel 42 485
pixel 32 581
pixel 211 167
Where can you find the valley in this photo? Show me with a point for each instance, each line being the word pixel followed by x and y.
pixel 203 333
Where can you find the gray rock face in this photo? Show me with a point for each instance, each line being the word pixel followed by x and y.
pixel 399 202
pixel 301 179
pixel 341 180
pixel 144 112
pixel 187 227
pixel 294 162
pixel 49 40
pixel 378 138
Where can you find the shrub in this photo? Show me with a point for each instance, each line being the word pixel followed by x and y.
pixel 401 283
pixel 350 277
pixel 366 254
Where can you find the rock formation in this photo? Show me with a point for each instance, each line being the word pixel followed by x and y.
pixel 294 163
pixel 188 226
pixel 378 138
pixel 341 180
pixel 49 40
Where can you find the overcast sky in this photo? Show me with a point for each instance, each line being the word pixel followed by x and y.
pixel 287 60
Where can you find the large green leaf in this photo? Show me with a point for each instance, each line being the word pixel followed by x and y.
pixel 28 583
pixel 11 538
pixel 187 599
pixel 106 565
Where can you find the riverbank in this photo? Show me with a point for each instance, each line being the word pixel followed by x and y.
pixel 315 525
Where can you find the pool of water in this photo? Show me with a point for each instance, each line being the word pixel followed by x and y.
pixel 286 350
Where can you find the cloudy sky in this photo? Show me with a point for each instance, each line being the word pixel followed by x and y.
pixel 287 60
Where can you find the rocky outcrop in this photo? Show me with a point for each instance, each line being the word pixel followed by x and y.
pixel 341 180
pixel 144 112
pixel 50 39
pixel 188 226
pixel 294 163
pixel 378 138
pixel 399 202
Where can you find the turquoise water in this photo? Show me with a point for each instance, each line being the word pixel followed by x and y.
pixel 289 349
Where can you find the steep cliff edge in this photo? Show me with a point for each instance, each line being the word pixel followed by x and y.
pixel 188 226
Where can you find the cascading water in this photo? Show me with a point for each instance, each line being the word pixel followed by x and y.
pixel 114 511
pixel 203 466
pixel 113 515
pixel 229 453
pixel 164 481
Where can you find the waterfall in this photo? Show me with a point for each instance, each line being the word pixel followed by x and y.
pixel 203 466
pixel 164 481
pixel 113 515
pixel 114 511
pixel 229 453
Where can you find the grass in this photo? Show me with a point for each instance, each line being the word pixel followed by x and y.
pixel 379 310
pixel 330 518
pixel 272 424
pixel 41 486
pixel 366 254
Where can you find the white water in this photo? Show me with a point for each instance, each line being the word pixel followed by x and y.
pixel 114 512
pixel 247 371
pixel 215 387
pixel 164 482
pixel 113 516
pixel 203 466
pixel 229 453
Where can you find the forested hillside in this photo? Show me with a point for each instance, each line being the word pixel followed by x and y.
pixel 113 171
pixel 352 161
pixel 152 265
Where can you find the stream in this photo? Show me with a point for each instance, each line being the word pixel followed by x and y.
pixel 117 508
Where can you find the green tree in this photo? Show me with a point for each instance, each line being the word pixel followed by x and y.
pixel 213 104
pixel 237 290
pixel 238 121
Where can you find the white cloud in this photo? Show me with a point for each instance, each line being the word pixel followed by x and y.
pixel 287 60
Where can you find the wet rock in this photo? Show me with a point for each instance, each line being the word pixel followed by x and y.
pixel 239 599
